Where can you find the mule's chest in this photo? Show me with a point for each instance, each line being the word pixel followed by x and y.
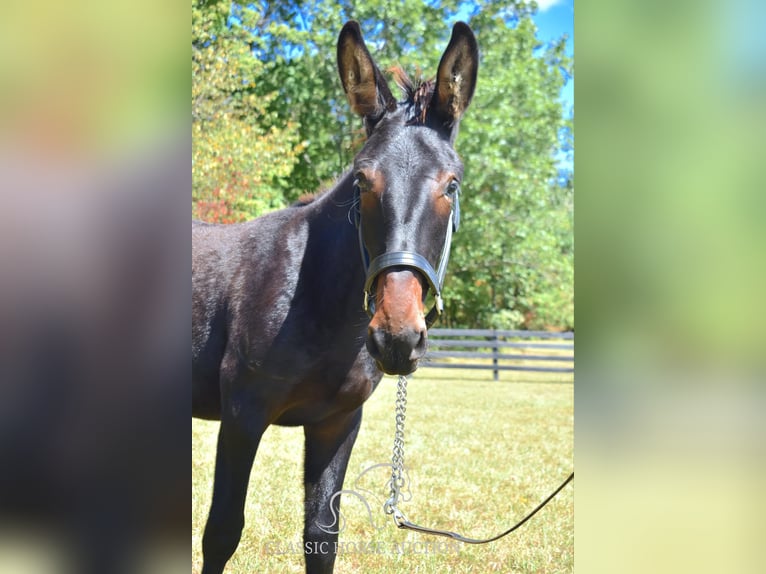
pixel 325 393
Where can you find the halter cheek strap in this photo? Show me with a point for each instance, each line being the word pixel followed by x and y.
pixel 435 278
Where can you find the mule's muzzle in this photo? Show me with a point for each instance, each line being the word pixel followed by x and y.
pixel 397 354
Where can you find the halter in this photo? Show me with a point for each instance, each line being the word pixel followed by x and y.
pixel 411 259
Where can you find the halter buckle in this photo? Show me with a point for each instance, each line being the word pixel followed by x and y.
pixel 439 303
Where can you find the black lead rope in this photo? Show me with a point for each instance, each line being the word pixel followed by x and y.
pixel 405 524
pixel 398 481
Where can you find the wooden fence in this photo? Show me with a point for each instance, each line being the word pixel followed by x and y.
pixel 538 351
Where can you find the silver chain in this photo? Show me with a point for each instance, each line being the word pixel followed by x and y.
pixel 398 482
pixel 397 459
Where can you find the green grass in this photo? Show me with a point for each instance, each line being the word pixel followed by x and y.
pixel 480 455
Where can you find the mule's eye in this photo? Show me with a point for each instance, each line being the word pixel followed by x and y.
pixel 453 188
pixel 361 182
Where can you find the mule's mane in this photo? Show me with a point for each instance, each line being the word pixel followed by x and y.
pixel 417 94
pixel 307 198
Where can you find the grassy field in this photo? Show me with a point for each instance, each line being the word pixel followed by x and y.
pixel 480 455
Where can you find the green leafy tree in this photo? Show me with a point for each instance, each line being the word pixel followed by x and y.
pixel 296 41
pixel 239 161
pixel 271 123
pixel 513 262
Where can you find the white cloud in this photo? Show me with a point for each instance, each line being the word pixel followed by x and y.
pixel 544 5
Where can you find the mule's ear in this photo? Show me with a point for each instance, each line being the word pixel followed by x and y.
pixel 365 86
pixel 456 78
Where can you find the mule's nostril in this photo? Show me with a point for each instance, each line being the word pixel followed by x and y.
pixel 420 346
pixel 376 343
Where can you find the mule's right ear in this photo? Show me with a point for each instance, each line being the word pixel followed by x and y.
pixel 365 86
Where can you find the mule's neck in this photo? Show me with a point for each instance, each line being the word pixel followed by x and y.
pixel 331 218
pixel 336 205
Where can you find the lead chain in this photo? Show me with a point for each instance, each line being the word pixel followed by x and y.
pixel 398 482
pixel 397 459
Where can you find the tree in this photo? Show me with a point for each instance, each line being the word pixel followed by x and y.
pixel 513 262
pixel 271 123
pixel 296 42
pixel 239 163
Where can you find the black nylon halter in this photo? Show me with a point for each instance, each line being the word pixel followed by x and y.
pixel 411 259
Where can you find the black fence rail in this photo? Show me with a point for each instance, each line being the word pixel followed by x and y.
pixel 536 351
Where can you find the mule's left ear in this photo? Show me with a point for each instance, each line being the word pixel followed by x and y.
pixel 456 78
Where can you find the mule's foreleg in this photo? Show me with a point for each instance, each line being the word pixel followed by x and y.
pixel 328 448
pixel 238 440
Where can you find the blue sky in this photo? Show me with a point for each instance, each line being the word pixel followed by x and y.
pixel 554 19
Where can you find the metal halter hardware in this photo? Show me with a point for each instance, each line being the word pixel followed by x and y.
pixel 434 277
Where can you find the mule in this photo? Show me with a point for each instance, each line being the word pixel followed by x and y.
pixel 297 314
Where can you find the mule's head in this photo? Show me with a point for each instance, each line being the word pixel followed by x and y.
pixel 407 179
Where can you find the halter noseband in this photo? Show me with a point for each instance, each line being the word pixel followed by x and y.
pixel 409 259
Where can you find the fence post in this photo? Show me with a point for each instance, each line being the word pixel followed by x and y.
pixel 495 351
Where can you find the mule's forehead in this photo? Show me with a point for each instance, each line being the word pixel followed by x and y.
pixel 408 150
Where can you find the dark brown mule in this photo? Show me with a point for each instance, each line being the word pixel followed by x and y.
pixel 279 331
